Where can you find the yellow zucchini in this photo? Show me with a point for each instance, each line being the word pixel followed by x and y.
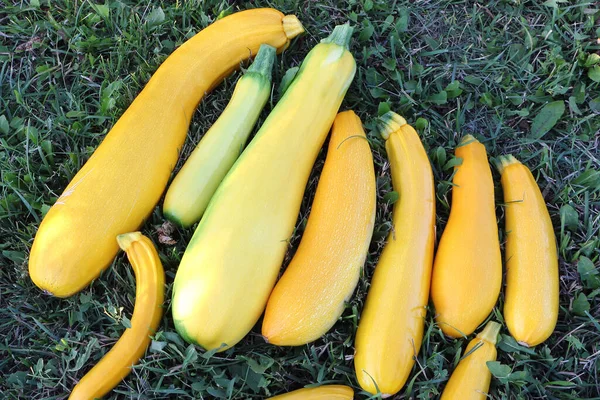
pixel 323 274
pixel 210 161
pixel 390 329
pixel 471 378
pixel 531 298
pixel 231 264
pixel 467 271
pixel 325 392
pixel 120 184
pixel 147 312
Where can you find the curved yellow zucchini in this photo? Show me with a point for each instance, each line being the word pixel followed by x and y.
pixel 325 392
pixel 120 184
pixel 310 296
pixel 471 378
pixel 147 312
pixel 231 264
pixel 203 171
pixel 390 329
pixel 531 298
pixel 467 271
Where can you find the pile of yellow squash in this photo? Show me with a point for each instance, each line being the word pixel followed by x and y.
pixel 245 200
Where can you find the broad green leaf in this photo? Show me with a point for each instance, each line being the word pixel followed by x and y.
pixel 510 345
pixel 383 108
pixel 101 9
pixel 594 73
pixel 589 178
pixel 498 370
pixel 156 17
pixel 421 123
pixel 588 272
pixel 595 105
pixel 579 93
pixel 487 99
pixel 592 59
pixel 453 162
pixel 547 118
pixel 439 98
pixel 368 6
pixel 391 197
pixel 581 305
pixel 402 22
pixel 4 126
pixel 569 218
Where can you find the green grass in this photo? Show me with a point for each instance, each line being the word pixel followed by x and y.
pixel 69 68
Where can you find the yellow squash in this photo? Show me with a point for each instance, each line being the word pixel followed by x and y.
pixel 231 264
pixel 390 329
pixel 467 272
pixel 531 298
pixel 471 378
pixel 120 184
pixel 325 392
pixel 210 161
pixel 310 295
pixel 149 293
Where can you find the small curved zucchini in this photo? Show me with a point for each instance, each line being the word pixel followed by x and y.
pixel 390 329
pixel 467 272
pixel 119 186
pixel 531 298
pixel 471 377
pixel 231 264
pixel 131 346
pixel 325 392
pixel 310 296
pixel 210 161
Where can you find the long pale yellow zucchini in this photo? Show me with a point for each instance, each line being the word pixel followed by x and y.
pixel 210 161
pixel 149 295
pixel 231 264
pixel 531 299
pixel 120 184
pixel 390 329
pixel 310 296
pixel 467 271
pixel 471 378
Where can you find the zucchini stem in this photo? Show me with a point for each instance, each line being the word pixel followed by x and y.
pixel 504 161
pixel 341 35
pixel 263 62
pixel 292 26
pixel 389 123
pixel 490 332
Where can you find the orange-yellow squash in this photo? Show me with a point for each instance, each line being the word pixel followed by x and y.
pixel 467 272
pixel 120 184
pixel 310 295
pixel 149 293
pixel 390 329
pixel 325 392
pixel 471 378
pixel 531 298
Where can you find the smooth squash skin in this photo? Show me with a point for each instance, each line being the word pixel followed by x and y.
pixel 310 296
pixel 120 184
pixel 390 329
pixel 471 378
pixel 532 288
pixel 467 271
pixel 221 145
pixel 147 312
pixel 325 392
pixel 230 266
